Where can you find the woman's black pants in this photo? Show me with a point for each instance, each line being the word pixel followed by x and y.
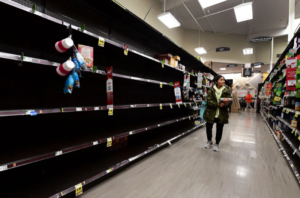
pixel 209 127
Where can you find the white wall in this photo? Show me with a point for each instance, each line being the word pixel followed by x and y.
pixel 189 39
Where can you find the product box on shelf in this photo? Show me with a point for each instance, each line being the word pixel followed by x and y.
pixel 279 135
pixel 290 79
pixel 177 58
pixel 294 123
pixel 88 54
pixel 291 62
pixel 165 57
pixel 298 64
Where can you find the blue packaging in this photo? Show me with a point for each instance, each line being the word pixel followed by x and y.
pixel 69 85
pixel 76 79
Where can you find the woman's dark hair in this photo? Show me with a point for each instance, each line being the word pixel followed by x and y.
pixel 217 78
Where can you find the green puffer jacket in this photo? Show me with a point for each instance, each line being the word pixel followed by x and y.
pixel 212 106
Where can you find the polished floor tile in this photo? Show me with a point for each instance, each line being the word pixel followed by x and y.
pixel 248 165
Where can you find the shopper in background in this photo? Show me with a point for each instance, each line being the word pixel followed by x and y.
pixel 248 100
pixel 216 112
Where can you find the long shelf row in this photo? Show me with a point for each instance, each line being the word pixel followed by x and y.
pixel 50 18
pixel 30 160
pixel 123 163
pixel 49 63
pixel 289 125
pixel 284 152
pixel 289 142
pixel 34 112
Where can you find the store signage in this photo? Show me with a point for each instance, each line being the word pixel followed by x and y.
pixel 232 65
pixel 261 39
pixel 257 64
pixel 177 92
pixel 109 87
pixel 222 49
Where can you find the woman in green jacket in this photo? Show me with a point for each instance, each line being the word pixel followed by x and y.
pixel 216 111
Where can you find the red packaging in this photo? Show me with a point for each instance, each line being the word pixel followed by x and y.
pixel 88 54
pixel 109 87
pixel 177 92
pixel 290 79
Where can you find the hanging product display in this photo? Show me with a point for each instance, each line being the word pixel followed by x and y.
pixel 63 45
pixel 76 79
pixel 291 62
pixel 79 58
pixel 77 66
pixel 177 92
pixel 268 89
pixel 277 94
pixel 186 86
pixel 88 54
pixel 109 87
pixel 290 79
pixel 69 85
pixel 65 68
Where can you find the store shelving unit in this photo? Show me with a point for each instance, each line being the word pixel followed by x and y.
pixel 70 139
pixel 279 116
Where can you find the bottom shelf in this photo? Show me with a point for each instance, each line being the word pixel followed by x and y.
pixel 58 176
pixel 291 159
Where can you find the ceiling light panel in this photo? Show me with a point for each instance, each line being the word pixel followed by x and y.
pixel 223 69
pixel 169 20
pixel 258 66
pixel 243 12
pixel 208 3
pixel 248 51
pixel 200 50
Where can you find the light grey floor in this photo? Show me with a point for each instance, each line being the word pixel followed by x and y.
pixel 248 164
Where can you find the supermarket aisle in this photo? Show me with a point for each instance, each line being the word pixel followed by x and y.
pixel 249 164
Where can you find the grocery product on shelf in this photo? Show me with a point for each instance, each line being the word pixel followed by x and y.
pixel 65 68
pixel 88 54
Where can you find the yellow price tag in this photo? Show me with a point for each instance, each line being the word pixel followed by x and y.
pixel 296 115
pixel 179 105
pixel 293 131
pixel 78 189
pixel 283 110
pixel 184 104
pixel 101 42
pixel 160 106
pixel 190 117
pixel 126 52
pixel 299 138
pixel 287 111
pixel 111 112
pixel 190 104
pixel 171 106
pixel 109 142
pixel 161 85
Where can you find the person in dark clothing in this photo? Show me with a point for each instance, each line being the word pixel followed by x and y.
pixel 216 111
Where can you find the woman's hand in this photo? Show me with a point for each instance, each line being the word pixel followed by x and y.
pixel 222 104
pixel 226 101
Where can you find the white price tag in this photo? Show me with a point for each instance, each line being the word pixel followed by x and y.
pixel 109 170
pixel 130 133
pixel 95 143
pixel 38 13
pixel 146 129
pixel 169 143
pixel 96 108
pixel 55 64
pixel 78 109
pixel 58 153
pixel 148 105
pixel 295 151
pixel 3 168
pixel 158 125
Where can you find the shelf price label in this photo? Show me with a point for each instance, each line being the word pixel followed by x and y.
pixel 109 142
pixel 287 111
pixel 171 106
pixel 283 110
pixel 111 112
pixel 169 143
pixel 190 117
pixel 161 85
pixel 160 107
pixel 296 114
pixel 184 104
pixel 3 168
pixel 57 153
pixel 109 170
pixel 78 189
pixel 190 104
pixel 101 41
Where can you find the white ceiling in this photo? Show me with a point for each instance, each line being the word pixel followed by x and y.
pixel 267 15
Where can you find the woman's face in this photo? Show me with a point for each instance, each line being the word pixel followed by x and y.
pixel 221 81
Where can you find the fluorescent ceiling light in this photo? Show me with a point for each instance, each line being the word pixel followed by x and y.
pixel 222 68
pixel 200 50
pixel 208 3
pixel 248 51
pixel 243 12
pixel 258 66
pixel 169 20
